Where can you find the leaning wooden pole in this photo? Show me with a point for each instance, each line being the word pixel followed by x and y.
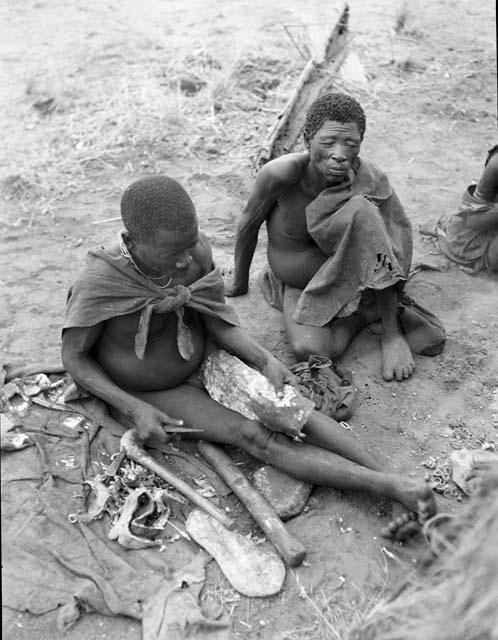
pixel 291 550
pixel 316 76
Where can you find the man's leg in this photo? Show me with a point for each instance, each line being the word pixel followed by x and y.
pixel 306 462
pixel 327 433
pixel 330 341
pixel 492 255
pixel 397 359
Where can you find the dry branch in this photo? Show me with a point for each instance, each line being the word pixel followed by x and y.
pixel 291 550
pixel 314 79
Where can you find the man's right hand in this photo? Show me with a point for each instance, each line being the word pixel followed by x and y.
pixel 232 290
pixel 151 422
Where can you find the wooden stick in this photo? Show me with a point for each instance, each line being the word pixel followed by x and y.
pixel 106 220
pixel 291 550
pixel 131 444
pixel 314 80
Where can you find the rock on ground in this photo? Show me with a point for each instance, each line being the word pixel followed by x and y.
pixel 286 495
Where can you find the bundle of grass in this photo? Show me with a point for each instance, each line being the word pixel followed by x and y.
pixel 457 597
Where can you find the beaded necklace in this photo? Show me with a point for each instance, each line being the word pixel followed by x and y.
pixel 125 252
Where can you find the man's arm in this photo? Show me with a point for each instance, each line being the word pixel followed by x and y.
pixel 77 343
pixel 487 191
pixel 270 183
pixel 239 343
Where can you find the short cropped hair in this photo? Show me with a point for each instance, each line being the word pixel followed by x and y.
pixel 156 202
pixel 338 107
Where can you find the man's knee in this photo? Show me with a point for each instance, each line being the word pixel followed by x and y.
pixel 492 256
pixel 304 347
pixel 256 439
pixel 363 211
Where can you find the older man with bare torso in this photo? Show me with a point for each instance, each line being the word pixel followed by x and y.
pixel 339 241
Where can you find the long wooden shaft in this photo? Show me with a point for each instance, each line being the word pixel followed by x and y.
pixel 130 444
pixel 291 550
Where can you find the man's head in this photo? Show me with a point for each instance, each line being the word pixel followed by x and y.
pixel 333 132
pixel 161 224
pixel 156 202
pixel 336 107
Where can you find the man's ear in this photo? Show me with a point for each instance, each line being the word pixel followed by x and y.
pixel 129 239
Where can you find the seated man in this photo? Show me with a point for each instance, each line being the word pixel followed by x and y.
pixel 470 236
pixel 138 322
pixel 339 242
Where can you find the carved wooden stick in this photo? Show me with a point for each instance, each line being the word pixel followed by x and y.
pixel 291 550
pixel 131 444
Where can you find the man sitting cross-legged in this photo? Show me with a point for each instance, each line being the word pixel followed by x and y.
pixel 139 319
pixel 339 243
pixel 469 236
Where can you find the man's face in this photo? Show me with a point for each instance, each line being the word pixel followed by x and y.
pixel 333 150
pixel 168 253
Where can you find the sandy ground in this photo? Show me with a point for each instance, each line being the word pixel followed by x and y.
pixel 431 108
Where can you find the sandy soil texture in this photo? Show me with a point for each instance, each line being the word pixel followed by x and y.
pixel 92 99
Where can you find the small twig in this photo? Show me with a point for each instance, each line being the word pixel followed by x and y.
pixel 106 220
pixel 113 468
pixel 291 38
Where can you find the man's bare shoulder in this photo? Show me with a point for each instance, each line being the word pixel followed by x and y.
pixel 285 170
pixel 203 253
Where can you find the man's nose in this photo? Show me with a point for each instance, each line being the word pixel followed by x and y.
pixel 183 261
pixel 338 153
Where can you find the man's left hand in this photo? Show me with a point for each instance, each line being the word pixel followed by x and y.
pixel 278 374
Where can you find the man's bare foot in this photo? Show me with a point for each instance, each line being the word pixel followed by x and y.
pixel 397 359
pixel 402 528
pixel 418 497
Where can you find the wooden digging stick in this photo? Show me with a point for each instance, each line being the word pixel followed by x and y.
pixel 131 444
pixel 291 550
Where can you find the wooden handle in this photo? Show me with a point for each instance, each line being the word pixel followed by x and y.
pixel 130 443
pixel 291 550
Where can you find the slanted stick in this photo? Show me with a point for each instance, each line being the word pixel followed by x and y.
pixel 131 444
pixel 291 550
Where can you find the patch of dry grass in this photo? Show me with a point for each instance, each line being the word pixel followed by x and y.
pixel 457 599
pixel 115 104
pixel 111 101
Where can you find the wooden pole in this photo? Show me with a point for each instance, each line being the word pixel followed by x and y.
pixel 291 550
pixel 314 79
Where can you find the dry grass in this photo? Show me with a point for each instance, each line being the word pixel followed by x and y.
pixel 336 616
pixel 117 106
pixel 402 17
pixel 457 598
pixel 109 103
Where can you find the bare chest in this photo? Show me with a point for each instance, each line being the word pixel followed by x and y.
pixel 287 221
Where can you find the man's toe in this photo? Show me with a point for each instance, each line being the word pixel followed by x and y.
pixel 399 371
pixel 387 373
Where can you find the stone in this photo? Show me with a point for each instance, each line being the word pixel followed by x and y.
pixel 286 495
pixel 253 571
pixel 239 387
pixel 462 464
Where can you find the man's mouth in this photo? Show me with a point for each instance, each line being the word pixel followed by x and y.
pixel 336 171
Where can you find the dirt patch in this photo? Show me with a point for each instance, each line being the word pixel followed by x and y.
pixel 95 102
